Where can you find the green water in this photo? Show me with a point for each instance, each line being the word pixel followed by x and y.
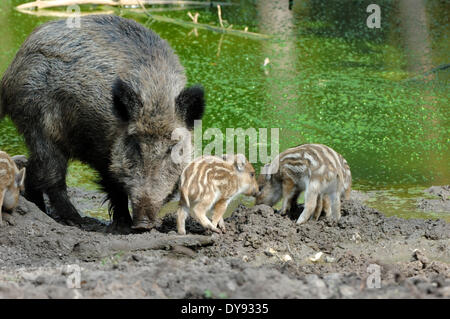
pixel 330 80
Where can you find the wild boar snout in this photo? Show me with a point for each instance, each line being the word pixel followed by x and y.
pixel 269 190
pixel 148 172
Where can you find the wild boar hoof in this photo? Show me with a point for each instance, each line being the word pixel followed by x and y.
pixel 117 227
pixel 72 220
pixel 142 224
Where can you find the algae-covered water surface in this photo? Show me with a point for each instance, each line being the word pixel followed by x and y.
pixel 378 96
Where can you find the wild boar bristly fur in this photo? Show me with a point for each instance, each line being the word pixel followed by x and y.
pixel 109 93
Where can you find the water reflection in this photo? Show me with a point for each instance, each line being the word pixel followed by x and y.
pixel 276 18
pixel 416 38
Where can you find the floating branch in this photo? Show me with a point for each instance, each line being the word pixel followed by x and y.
pixel 203 26
pixel 195 20
pixel 219 13
pixel 188 24
pixel 62 14
pixel 193 17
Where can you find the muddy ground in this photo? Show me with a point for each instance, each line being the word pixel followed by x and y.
pixel 262 255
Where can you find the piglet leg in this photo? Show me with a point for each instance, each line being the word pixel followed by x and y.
pixel 200 211
pixel 310 206
pixel 289 192
pixel 2 196
pixel 182 214
pixel 219 210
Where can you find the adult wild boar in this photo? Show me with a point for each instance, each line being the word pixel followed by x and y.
pixel 109 93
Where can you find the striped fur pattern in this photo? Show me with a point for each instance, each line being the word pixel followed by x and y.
pixel 211 183
pixel 11 183
pixel 318 170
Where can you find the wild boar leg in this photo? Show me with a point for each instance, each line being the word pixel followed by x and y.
pixel 310 205
pixel 200 211
pixel 32 193
pixel 53 164
pixel 289 192
pixel 60 202
pixel 219 210
pixel 182 214
pixel 118 204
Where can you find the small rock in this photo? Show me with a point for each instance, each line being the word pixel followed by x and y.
pixel 286 258
pixel 330 259
pixel 418 255
pixel 316 257
pixel 356 237
pixel 136 258
pixel 445 292
pixel 270 252
pixel 346 291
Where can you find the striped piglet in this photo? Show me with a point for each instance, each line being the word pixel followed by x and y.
pixel 318 170
pixel 11 183
pixel 211 182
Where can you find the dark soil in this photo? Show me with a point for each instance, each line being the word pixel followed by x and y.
pixel 262 255
pixel 439 205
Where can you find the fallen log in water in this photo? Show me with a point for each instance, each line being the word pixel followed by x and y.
pixel 42 4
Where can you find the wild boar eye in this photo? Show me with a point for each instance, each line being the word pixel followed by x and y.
pixel 133 148
pixel 169 149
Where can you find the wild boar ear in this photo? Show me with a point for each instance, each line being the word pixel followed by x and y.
pixel 125 100
pixel 190 104
pixel 20 161
pixel 20 178
pixel 240 161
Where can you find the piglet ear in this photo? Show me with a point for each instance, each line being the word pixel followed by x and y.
pixel 266 172
pixel 190 104
pixel 240 161
pixel 126 102
pixel 228 157
pixel 20 179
